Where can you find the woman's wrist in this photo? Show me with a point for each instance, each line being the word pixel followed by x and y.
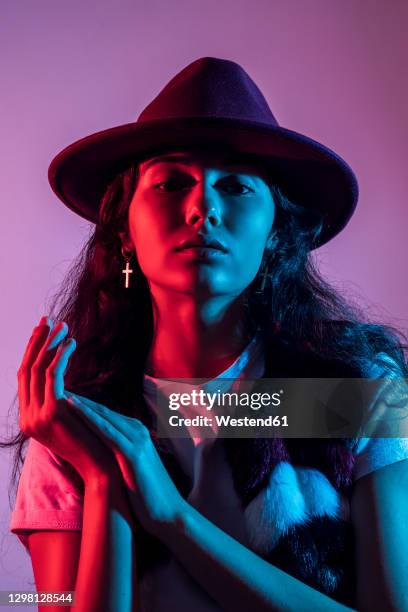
pixel 108 488
pixel 103 480
pixel 169 532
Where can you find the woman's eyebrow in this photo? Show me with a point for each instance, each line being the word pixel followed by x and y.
pixel 164 158
pixel 228 161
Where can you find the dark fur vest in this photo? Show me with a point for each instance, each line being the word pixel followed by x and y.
pixel 294 492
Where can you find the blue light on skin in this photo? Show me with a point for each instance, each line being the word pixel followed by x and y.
pixel 199 327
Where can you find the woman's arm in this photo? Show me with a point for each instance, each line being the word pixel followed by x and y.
pixel 54 557
pixel 239 579
pixel 106 578
pixel 106 567
pixel 233 575
pixel 236 577
pixel 98 563
pixel 379 513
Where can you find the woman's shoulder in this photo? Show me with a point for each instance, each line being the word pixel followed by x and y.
pixel 386 425
pixel 335 349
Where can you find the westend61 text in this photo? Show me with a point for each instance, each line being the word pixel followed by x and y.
pixel 227 421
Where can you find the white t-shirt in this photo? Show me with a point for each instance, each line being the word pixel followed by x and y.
pixel 48 496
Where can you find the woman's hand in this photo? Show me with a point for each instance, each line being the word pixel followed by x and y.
pixel 153 496
pixel 44 413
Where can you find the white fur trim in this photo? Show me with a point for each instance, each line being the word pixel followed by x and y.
pixel 322 499
pixel 275 509
pixel 292 496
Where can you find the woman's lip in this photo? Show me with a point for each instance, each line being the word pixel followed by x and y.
pixel 197 244
pixel 203 251
pixel 200 246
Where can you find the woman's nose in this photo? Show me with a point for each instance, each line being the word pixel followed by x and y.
pixel 203 204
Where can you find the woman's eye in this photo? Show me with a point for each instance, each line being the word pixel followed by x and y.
pixel 170 185
pixel 235 187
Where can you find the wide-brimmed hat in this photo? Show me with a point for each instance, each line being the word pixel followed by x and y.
pixel 212 102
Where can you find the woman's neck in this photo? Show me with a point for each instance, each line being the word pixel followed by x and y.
pixel 197 342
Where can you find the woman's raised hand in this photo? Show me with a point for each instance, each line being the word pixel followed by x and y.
pixel 153 496
pixel 45 414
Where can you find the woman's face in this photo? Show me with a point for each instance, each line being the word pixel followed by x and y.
pixel 184 193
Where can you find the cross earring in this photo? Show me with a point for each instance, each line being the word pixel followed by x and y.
pixel 127 269
pixel 263 274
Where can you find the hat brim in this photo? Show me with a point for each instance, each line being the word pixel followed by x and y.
pixel 310 174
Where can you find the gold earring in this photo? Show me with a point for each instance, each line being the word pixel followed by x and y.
pixel 127 270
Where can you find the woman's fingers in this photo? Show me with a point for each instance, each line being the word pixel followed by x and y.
pixel 54 376
pixel 105 428
pixel 127 426
pixel 41 363
pixel 36 341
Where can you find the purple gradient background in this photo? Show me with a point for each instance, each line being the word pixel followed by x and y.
pixel 332 70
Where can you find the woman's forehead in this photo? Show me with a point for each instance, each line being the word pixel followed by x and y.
pixel 228 160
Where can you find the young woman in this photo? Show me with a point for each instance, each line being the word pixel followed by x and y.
pixel 200 266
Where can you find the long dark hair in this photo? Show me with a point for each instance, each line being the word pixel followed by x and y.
pixel 113 327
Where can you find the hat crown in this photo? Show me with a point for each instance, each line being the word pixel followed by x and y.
pixel 210 87
pixel 212 103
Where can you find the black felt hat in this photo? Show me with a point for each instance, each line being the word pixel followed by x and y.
pixel 211 102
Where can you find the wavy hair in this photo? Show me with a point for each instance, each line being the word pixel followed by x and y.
pixel 114 328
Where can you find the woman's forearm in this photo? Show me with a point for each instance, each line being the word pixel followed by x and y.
pixel 236 577
pixel 106 578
